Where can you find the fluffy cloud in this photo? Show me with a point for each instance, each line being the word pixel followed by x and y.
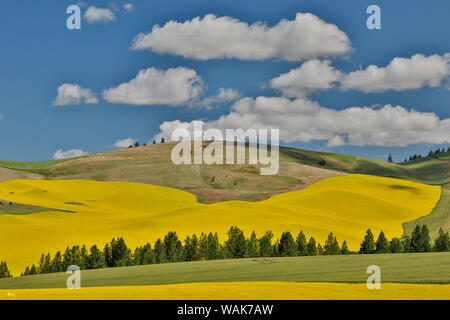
pixel 72 153
pixel 304 120
pixel 124 143
pixel 400 74
pixel 223 95
pixel 310 76
pixel 173 87
pixel 96 15
pixel 213 37
pixel 128 7
pixel 73 94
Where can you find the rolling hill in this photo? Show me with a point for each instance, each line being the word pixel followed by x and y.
pixel 93 212
pixel 215 183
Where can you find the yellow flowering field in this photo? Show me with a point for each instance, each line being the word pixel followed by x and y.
pixel 89 212
pixel 241 290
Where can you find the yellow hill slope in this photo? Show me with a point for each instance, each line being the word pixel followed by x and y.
pixel 141 213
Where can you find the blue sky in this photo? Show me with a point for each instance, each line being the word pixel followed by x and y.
pixel 39 54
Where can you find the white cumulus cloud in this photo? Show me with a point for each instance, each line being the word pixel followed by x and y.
pixel 224 95
pixel 72 153
pixel 304 120
pixel 400 74
pixel 151 86
pixel 124 143
pixel 212 37
pixel 69 94
pixel 128 7
pixel 310 76
pixel 96 15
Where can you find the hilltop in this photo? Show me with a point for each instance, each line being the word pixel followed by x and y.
pixel 215 183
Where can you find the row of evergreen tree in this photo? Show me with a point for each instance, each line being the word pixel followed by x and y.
pixel 430 154
pixel 136 144
pixel 419 241
pixel 208 247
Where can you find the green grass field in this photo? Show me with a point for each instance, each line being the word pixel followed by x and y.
pixel 396 268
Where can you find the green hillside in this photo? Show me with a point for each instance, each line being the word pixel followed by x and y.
pixel 399 268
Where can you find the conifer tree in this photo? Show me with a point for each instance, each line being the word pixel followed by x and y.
pixel 331 246
pixel 301 244
pixel 265 244
pixel 56 264
pixel 344 249
pixel 311 247
pixel 287 246
pixel 319 249
pixel 236 243
pixel 395 246
pixel 160 252
pixel 4 271
pixel 382 245
pixel 252 249
pixel 442 242
pixel 95 259
pixel 368 244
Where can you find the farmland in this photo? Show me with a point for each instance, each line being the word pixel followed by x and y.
pixel 404 276
pixel 94 212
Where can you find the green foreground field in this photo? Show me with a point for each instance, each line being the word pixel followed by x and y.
pixel 418 268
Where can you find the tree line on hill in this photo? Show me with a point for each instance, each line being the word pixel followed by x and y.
pixel 136 144
pixel 208 247
pixel 430 154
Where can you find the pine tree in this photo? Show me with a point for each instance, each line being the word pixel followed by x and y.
pixel 396 246
pixel 83 257
pixel 252 250
pixel 213 246
pixel 160 252
pixel 311 247
pixel 442 242
pixel 319 249
pixel 420 239
pixel 163 140
pixel 390 158
pixel 56 264
pixel 203 246
pixel 191 248
pixel 344 249
pixel 108 256
pixel 4 271
pixel 301 244
pixel 368 244
pixel 382 245
pixel 287 246
pixel 331 246
pixel 236 243
pixel 172 246
pixel 265 245
pixel 95 259
pixel 425 239
pixel 33 270
pixel 120 253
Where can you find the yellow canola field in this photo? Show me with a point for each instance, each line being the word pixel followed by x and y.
pixel 240 291
pixel 141 213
